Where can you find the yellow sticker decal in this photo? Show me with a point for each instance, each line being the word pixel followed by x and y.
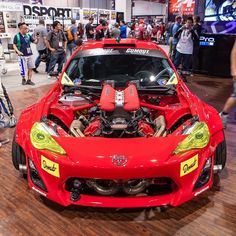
pixel 188 166
pixel 66 80
pixel 50 167
pixel 173 80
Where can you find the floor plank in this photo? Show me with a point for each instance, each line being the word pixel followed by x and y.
pixel 23 212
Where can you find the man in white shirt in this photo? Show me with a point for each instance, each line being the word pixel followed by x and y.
pixel 184 47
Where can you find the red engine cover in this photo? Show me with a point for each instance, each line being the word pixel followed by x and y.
pixel 110 98
pixel 107 100
pixel 131 101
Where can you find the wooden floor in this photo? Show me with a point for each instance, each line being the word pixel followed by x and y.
pixel 22 212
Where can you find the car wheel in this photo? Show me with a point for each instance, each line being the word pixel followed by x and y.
pixel 220 157
pixel 18 155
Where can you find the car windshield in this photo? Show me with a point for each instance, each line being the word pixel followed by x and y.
pixel 147 67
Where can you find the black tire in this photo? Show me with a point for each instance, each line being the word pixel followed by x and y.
pixel 18 155
pixel 221 155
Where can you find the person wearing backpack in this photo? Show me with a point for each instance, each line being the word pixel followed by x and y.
pixel 72 36
pixel 21 45
pixel 57 44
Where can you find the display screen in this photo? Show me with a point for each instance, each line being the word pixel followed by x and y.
pixel 220 16
pixel 220 10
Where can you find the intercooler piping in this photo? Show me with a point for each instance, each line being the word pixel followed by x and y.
pixel 160 126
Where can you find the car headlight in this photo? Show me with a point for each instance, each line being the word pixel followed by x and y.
pixel 41 138
pixel 198 138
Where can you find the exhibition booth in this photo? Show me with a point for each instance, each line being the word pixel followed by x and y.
pixel 11 13
pixel 219 31
pixel 218 22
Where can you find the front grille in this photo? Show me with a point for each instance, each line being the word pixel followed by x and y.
pixel 122 188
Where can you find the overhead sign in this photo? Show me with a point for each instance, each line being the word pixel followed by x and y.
pixel 181 7
pixel 32 14
pixel 37 10
pixel 11 6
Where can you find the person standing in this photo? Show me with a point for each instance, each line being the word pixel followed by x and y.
pixel 115 33
pixel 196 46
pixel 80 31
pixel 231 101
pixel 21 45
pixel 73 32
pixel 89 29
pixel 56 43
pixel 100 30
pixel 139 31
pixel 173 41
pixel 41 32
pixel 123 33
pixel 184 48
pixel 162 31
pixel 149 31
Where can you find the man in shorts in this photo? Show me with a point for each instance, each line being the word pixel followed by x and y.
pixel 231 102
pixel 21 44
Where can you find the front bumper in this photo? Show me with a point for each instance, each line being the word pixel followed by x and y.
pixel 182 190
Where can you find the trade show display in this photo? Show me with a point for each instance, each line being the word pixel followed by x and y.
pixel 217 41
pixel 219 31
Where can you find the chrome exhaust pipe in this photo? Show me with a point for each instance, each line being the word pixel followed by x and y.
pixel 23 168
pixel 106 188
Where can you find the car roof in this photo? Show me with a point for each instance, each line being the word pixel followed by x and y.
pixel 123 43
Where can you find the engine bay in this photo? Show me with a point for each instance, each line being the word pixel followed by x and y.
pixel 118 112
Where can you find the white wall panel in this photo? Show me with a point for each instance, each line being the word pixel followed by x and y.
pixel 61 3
pixel 149 8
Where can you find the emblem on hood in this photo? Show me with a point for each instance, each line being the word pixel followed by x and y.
pixel 119 160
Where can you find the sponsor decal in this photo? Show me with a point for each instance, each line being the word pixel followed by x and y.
pixel 188 166
pixel 137 51
pixel 50 167
pixel 66 80
pixel 207 41
pixel 38 191
pixel 202 190
pixel 173 80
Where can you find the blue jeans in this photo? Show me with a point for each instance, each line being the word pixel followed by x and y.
pixel 38 59
pixel 70 47
pixel 184 59
pixel 57 57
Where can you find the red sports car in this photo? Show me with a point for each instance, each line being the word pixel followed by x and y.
pixel 119 129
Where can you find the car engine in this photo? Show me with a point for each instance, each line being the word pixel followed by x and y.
pixel 118 115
